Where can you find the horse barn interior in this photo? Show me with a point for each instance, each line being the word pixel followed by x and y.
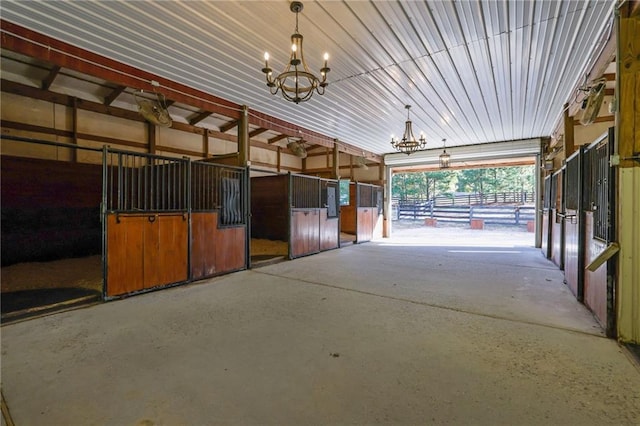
pixel 142 151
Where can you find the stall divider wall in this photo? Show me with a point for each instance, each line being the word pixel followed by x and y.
pixel 218 219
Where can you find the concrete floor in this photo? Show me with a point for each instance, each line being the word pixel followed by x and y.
pixel 392 332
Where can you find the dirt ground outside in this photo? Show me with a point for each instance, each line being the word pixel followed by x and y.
pixel 461 234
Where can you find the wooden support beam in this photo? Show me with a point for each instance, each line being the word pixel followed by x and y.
pixel 629 84
pixel 74 119
pixel 48 81
pixel 108 100
pixel 244 143
pixel 205 144
pixel 601 119
pixel 228 126
pixel 569 146
pixel 257 132
pixel 276 139
pixel 151 138
pixel 199 117
pixel 279 159
pixel 336 162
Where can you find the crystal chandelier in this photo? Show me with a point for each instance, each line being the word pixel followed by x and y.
pixel 445 159
pixel 296 82
pixel 408 144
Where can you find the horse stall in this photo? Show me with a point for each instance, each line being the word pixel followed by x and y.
pixel 51 230
pixel 599 231
pixel 169 221
pixel 574 224
pixel 294 215
pixel 557 218
pixel 361 219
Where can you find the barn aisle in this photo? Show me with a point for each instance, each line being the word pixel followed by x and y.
pixel 399 331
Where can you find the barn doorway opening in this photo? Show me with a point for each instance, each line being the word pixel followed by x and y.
pixel 498 200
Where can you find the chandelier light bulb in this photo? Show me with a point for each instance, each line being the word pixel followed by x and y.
pixel 266 56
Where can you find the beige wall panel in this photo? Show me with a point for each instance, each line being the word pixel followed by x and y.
pixel 362 175
pixel 27 110
pixel 21 149
pixel 63 117
pixel 264 155
pixel 113 127
pixel 288 160
pixel 319 162
pixel 587 134
pixel 220 147
pixel 629 255
pixel 178 139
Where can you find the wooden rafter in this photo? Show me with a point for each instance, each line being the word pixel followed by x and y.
pixel 257 132
pixel 48 81
pixel 276 138
pixel 228 126
pixel 199 117
pixel 108 100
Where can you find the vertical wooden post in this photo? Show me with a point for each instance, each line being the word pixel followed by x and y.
pixel 279 158
pixel 569 146
pixel 205 144
pixel 74 153
pixel 336 161
pixel 244 146
pixel 628 176
pixel 151 138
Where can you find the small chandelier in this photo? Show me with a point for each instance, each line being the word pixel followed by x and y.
pixel 296 82
pixel 445 159
pixel 408 144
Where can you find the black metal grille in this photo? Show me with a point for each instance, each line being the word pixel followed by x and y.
pixel 366 195
pixel 143 182
pixel 572 190
pixel 305 192
pixel 600 190
pixel 223 188
pixel 547 192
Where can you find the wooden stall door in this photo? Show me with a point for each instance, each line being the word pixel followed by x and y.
pixel 546 234
pixel 595 283
pixel 203 253
pixel 365 224
pixel 557 238
pixel 169 263
pixel 329 232
pixel 571 252
pixel 230 249
pixel 125 254
pixel 377 222
pixel 305 232
pixel 145 251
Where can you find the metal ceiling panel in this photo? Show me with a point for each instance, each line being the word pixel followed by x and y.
pixel 475 71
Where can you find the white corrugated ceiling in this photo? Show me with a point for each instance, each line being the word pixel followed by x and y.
pixel 474 71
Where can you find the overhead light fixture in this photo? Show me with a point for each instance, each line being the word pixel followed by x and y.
pixel 408 144
pixel 296 82
pixel 445 159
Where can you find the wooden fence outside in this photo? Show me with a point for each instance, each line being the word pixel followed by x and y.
pixel 504 215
